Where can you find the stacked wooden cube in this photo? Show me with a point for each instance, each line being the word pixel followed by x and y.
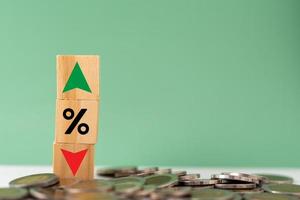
pixel 77 106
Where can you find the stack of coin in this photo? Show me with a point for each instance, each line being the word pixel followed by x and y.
pixel 153 184
pixel 236 181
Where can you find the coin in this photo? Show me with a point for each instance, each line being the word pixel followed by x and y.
pixel 227 181
pixel 150 169
pixel 36 180
pixel 146 171
pixel 200 182
pixel 288 189
pixel 235 186
pixel 142 174
pixel 164 171
pixel 268 196
pixel 189 177
pixel 124 174
pixel 237 177
pixel 111 171
pixel 12 193
pixel 256 179
pixel 272 178
pixel 105 172
pixel 47 193
pixel 90 185
pixel 161 180
pixel 212 194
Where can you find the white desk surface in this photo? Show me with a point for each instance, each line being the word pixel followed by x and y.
pixel 10 172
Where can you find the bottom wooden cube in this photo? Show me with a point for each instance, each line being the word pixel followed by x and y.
pixel 73 160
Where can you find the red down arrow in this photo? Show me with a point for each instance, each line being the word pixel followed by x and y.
pixel 74 160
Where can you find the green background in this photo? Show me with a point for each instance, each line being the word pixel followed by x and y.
pixel 189 83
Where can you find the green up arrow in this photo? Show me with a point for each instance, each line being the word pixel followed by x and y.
pixel 77 80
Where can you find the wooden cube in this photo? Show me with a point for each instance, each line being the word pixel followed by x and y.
pixel 73 160
pixel 77 76
pixel 76 121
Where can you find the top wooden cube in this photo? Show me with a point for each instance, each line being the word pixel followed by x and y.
pixel 77 77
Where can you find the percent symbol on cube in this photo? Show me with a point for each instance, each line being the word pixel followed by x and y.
pixel 69 114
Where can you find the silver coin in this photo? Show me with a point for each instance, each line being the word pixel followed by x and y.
pixel 149 169
pixel 235 186
pixel 36 180
pixel 125 174
pixel 236 177
pixel 105 172
pixel 200 182
pixel 164 171
pixel 227 181
pixel 189 177
pixel 12 193
pixel 288 189
pixel 142 174
pixel 111 171
pixel 277 179
pixel 146 171
pixel 161 180
pixel 127 169
pixel 256 179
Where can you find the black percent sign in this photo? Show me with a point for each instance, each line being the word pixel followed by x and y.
pixel 69 114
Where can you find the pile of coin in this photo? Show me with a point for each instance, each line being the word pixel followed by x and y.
pixel 153 183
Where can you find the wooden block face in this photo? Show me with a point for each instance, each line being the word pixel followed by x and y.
pixel 76 121
pixel 77 77
pixel 73 161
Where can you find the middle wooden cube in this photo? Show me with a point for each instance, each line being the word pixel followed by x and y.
pixel 76 121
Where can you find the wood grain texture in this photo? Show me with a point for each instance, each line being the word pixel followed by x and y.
pixel 90 117
pixel 61 167
pixel 89 65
